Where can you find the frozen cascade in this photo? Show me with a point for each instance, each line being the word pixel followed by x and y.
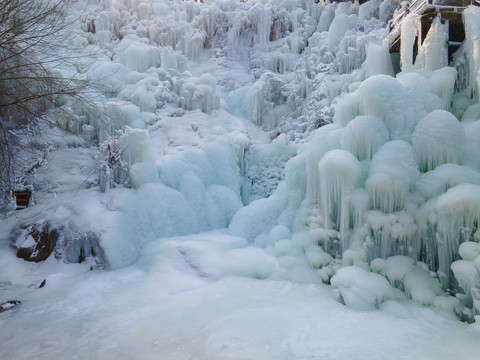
pixel 263 148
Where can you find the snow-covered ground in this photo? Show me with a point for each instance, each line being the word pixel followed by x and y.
pixel 254 180
pixel 177 303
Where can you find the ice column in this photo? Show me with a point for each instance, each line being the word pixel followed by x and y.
pixel 409 32
pixel 339 171
pixel 433 54
pixel 378 60
pixel 472 45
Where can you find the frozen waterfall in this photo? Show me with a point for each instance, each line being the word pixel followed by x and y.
pixel 237 164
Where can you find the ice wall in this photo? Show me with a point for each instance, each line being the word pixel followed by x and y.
pixel 387 179
pixel 367 170
pixel 295 42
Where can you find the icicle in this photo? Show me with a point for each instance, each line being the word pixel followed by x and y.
pixel 392 234
pixel 339 171
pixel 409 33
pixel 458 219
pixel 433 54
pixel 359 203
pixel 317 147
pixel 378 60
pixel 472 45
pixel 394 168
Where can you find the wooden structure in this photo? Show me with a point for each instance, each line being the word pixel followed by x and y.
pixel 451 11
pixel 22 198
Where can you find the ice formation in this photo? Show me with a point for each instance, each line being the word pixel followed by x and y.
pixel 439 139
pixel 284 125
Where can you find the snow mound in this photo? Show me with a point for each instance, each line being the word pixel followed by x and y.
pixel 360 289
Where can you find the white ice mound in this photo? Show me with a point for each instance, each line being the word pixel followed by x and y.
pixel 444 177
pixel 394 168
pixel 363 136
pixel 387 98
pixel 396 267
pixel 199 93
pixel 438 139
pixel 136 55
pixel 421 286
pixel 467 271
pixel 360 289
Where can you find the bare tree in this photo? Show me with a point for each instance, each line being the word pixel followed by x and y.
pixel 33 51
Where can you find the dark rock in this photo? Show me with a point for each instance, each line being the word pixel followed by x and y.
pixel 8 305
pixel 64 239
pixel 43 283
pixel 35 242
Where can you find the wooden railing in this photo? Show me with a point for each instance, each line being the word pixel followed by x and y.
pixel 418 6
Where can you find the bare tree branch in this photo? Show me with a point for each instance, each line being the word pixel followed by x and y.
pixel 33 50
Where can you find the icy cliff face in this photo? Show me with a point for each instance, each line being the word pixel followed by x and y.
pixel 369 171
pixel 290 59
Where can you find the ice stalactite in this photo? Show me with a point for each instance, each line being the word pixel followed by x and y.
pixel 261 100
pixel 317 148
pixel 458 219
pixel 472 50
pixel 409 35
pixel 433 54
pixel 339 172
pixel 377 59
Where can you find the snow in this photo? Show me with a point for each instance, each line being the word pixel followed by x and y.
pixel 261 184
pixel 360 289
pixel 143 311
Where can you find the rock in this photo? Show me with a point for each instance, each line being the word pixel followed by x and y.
pixel 65 240
pixel 35 242
pixel 8 305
